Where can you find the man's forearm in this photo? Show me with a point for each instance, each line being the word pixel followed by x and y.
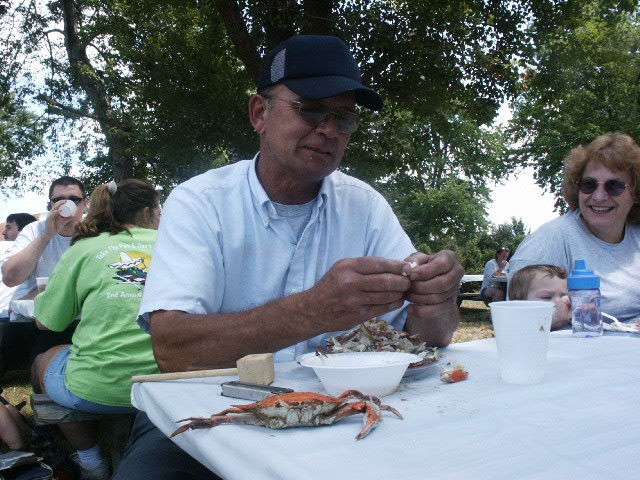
pixel 183 341
pixel 17 268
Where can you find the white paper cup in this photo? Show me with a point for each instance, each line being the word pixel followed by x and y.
pixel 522 335
pixel 41 282
pixel 68 209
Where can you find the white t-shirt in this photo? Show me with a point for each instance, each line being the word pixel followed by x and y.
pixel 5 292
pixel 47 262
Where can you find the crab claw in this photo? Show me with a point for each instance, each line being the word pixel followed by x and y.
pixel 194 424
pixel 373 415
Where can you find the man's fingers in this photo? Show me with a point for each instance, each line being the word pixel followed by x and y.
pixel 373 265
pixel 435 265
pixel 429 298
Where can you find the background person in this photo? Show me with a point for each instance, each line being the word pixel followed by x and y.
pixel 496 267
pixel 102 278
pixel 13 431
pixel 36 252
pixel 277 253
pixel 15 223
pixel 15 339
pixel 12 227
pixel 600 186
pixel 40 245
pixel 547 283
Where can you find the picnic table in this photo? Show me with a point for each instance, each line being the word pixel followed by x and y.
pixel 22 311
pixel 578 423
pixel 470 289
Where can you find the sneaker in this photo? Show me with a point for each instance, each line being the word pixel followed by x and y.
pixel 99 472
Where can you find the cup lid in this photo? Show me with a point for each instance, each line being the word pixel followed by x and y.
pixel 582 278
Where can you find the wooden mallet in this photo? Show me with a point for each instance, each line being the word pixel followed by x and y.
pixel 256 368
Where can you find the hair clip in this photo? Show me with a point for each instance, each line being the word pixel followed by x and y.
pixel 112 187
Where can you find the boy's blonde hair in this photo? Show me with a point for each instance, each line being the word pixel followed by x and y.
pixel 520 283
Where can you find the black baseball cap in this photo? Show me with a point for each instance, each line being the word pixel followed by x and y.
pixel 315 67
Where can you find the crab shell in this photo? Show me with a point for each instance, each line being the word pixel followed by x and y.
pixel 297 409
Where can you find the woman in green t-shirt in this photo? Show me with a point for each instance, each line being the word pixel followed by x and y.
pixel 101 278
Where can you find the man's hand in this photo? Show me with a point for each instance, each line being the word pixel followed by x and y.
pixel 435 281
pixel 55 222
pixel 357 289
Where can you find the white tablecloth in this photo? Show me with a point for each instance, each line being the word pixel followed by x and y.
pixel 22 311
pixel 581 422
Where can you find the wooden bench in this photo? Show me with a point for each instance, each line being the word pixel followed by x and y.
pixel 472 296
pixel 114 430
pixel 470 290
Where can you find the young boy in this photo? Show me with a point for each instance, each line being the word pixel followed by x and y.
pixel 544 282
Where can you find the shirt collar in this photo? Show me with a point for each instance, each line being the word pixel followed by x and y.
pixel 264 205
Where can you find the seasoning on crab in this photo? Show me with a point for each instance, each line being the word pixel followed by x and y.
pixel 378 336
pixel 297 409
pixel 453 374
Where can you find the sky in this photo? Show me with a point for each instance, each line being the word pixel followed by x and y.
pixel 518 196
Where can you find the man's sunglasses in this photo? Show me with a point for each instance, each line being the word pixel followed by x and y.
pixel 73 198
pixel 346 121
pixel 589 185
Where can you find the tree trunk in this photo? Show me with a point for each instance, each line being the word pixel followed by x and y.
pixel 317 18
pixel 237 31
pixel 279 20
pixel 89 79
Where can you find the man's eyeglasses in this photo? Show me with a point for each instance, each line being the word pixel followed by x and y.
pixel 73 198
pixel 613 187
pixel 346 121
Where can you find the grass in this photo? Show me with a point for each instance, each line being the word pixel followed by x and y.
pixel 475 322
pixel 474 325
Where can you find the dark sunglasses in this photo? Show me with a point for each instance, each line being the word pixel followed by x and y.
pixel 346 121
pixel 589 185
pixel 73 198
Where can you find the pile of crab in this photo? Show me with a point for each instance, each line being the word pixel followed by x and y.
pixel 378 336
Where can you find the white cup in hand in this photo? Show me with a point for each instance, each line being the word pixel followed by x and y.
pixel 41 282
pixel 67 209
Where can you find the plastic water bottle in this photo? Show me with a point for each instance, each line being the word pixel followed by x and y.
pixel 584 291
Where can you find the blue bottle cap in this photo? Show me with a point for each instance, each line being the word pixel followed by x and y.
pixel 582 278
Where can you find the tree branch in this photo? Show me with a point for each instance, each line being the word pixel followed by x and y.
pixel 61 106
pixel 237 31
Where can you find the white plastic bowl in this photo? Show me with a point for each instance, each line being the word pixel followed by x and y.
pixel 372 373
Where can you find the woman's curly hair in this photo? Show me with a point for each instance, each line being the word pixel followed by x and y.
pixel 617 152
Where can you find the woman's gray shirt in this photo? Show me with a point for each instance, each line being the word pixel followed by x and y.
pixel 566 239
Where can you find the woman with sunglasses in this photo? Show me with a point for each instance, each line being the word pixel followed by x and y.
pixel 600 186
pixel 101 278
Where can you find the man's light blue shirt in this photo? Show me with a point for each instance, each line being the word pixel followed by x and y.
pixel 222 247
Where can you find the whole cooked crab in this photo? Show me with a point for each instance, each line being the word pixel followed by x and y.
pixel 297 409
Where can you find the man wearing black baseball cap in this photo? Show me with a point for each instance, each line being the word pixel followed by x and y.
pixel 282 251
pixel 316 67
